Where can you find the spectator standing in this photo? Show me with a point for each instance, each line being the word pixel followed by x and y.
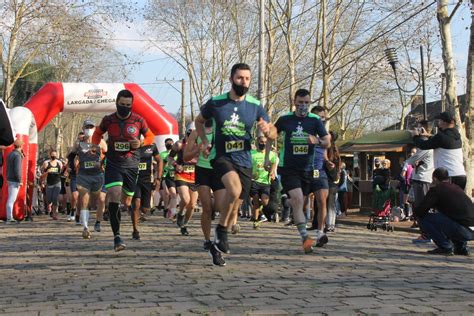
pixel 447 147
pixel 14 161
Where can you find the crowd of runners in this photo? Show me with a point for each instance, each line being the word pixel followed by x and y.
pixel 232 161
pixel 229 162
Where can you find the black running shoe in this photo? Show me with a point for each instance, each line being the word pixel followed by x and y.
pixel 118 244
pixel 207 244
pixel 184 231
pixel 180 220
pixel 220 239
pixel 322 240
pixel 441 251
pixel 216 256
pixel 165 212
pixel 462 251
pixel 136 235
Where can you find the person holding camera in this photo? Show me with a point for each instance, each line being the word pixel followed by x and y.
pixel 447 147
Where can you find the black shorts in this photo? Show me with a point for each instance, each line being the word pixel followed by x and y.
pixel 296 179
pixel 170 183
pixel 205 176
pixel 63 187
pixel 120 176
pixel 143 192
pixel 180 183
pixel 320 181
pixel 223 165
pixel 260 189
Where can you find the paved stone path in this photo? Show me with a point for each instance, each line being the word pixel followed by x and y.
pixel 46 268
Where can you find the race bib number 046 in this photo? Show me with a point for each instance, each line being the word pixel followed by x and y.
pixel 234 145
pixel 142 166
pixel 122 146
pixel 300 149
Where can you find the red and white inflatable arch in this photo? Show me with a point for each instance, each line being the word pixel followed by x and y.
pixel 55 97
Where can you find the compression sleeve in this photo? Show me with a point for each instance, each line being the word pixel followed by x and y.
pixel 97 136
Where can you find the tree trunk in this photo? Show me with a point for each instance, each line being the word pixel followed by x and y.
pixel 444 20
pixel 470 114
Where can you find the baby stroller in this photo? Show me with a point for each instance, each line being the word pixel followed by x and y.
pixel 381 218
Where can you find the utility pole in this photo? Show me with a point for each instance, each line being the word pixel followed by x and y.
pixel 261 55
pixel 183 109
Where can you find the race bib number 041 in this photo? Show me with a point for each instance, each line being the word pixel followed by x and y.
pixel 300 149
pixel 234 145
pixel 142 166
pixel 122 146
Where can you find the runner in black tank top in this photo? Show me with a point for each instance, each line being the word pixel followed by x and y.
pixel 52 174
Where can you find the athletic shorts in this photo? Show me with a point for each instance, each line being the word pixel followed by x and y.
pixel 119 176
pixel 52 193
pixel 170 183
pixel 260 189
pixel 206 177
pixel 223 165
pixel 320 181
pixel 92 183
pixel 143 192
pixel 296 179
pixel 190 185
pixel 73 183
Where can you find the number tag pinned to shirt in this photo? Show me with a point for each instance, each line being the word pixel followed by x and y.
pixel 122 146
pixel 89 164
pixel 142 166
pixel 316 174
pixel 300 149
pixel 188 169
pixel 234 145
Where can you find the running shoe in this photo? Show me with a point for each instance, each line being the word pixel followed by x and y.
pixel 462 252
pixel 28 219
pixel 256 224
pixel 78 220
pixel 86 234
pixel 235 229
pixel 10 221
pixel 263 218
pixel 70 218
pixel 207 245
pixel 220 239
pixel 322 240
pixel 441 251
pixel 97 227
pixel 308 245
pixel 216 256
pixel 136 235
pixel 118 244
pixel 422 239
pixel 165 212
pixel 184 231
pixel 180 220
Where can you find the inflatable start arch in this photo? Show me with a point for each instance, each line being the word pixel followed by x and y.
pixel 55 97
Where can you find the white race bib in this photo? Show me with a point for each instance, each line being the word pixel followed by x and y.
pixel 234 145
pixel 142 166
pixel 300 149
pixel 122 146
pixel 89 164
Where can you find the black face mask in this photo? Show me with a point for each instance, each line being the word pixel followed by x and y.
pixel 239 90
pixel 53 157
pixel 261 146
pixel 123 111
pixel 169 146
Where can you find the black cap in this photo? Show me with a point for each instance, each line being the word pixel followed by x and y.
pixel 446 116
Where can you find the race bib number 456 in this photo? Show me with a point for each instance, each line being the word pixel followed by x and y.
pixel 122 146
pixel 234 145
pixel 300 149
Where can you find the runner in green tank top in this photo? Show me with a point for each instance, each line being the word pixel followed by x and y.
pixel 206 181
pixel 165 193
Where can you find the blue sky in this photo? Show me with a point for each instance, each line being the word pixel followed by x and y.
pixel 157 66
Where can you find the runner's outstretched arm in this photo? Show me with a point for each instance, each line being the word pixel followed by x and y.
pixel 97 136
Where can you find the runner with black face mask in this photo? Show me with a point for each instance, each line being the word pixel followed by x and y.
pixel 164 191
pixel 121 172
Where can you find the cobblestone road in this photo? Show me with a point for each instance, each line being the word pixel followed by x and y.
pixel 46 268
